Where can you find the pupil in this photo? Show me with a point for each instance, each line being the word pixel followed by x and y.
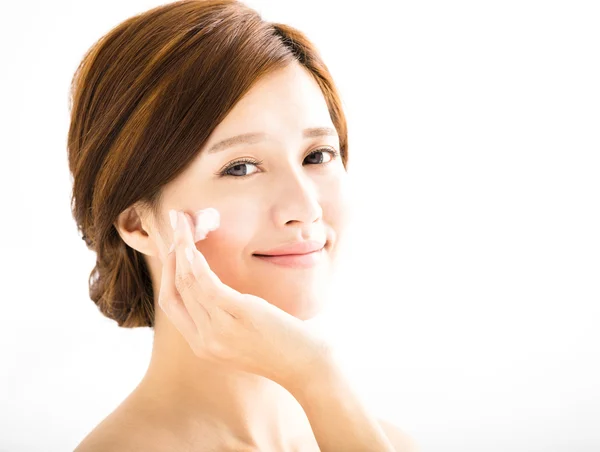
pixel 317 153
pixel 241 165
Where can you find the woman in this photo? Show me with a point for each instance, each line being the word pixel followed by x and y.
pixel 200 110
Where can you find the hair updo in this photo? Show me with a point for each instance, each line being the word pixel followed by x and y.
pixel 144 100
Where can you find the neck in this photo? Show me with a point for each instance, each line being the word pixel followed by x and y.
pixel 192 390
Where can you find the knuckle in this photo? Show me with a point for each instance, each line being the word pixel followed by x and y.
pixel 184 281
pixel 211 296
pixel 198 348
pixel 216 349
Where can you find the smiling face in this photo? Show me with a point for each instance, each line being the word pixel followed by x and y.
pixel 286 184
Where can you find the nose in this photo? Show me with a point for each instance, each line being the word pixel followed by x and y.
pixel 297 202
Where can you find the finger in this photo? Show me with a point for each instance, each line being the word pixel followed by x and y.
pixel 197 288
pixel 171 303
pixel 207 220
pixel 206 277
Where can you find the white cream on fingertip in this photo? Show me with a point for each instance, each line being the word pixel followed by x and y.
pixel 206 220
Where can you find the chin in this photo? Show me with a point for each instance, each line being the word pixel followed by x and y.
pixel 300 294
pixel 303 305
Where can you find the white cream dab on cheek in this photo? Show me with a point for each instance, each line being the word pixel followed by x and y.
pixel 207 220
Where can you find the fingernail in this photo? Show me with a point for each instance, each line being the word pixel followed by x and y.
pixel 172 248
pixel 173 217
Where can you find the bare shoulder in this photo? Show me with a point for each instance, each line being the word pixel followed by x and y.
pixel 108 436
pixel 130 427
pixel 133 429
pixel 100 439
pixel 401 441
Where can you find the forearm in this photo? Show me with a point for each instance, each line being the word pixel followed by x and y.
pixel 338 418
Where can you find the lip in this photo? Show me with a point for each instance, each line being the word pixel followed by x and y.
pixel 305 260
pixel 298 248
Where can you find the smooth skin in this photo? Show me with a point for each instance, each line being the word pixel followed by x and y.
pixel 229 328
pixel 296 191
pixel 246 332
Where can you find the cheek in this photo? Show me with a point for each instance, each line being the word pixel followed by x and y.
pixel 225 248
pixel 236 226
pixel 336 202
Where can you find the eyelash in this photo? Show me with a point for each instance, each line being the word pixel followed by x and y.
pixel 334 154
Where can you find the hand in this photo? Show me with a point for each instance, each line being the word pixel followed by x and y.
pixel 225 326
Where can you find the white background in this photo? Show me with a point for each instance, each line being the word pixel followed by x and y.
pixel 468 310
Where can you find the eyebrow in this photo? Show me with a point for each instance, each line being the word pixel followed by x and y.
pixel 252 138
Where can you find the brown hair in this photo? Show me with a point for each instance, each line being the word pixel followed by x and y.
pixel 144 100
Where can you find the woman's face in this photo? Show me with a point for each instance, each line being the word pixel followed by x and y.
pixel 297 192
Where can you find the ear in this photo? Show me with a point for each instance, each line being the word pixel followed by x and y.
pixel 137 231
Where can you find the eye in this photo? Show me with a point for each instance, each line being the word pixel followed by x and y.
pixel 237 169
pixel 320 152
pixel 238 166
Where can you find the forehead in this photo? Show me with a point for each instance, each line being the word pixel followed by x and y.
pixel 281 103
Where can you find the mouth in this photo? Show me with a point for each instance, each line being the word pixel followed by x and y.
pixel 294 254
pixel 305 260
